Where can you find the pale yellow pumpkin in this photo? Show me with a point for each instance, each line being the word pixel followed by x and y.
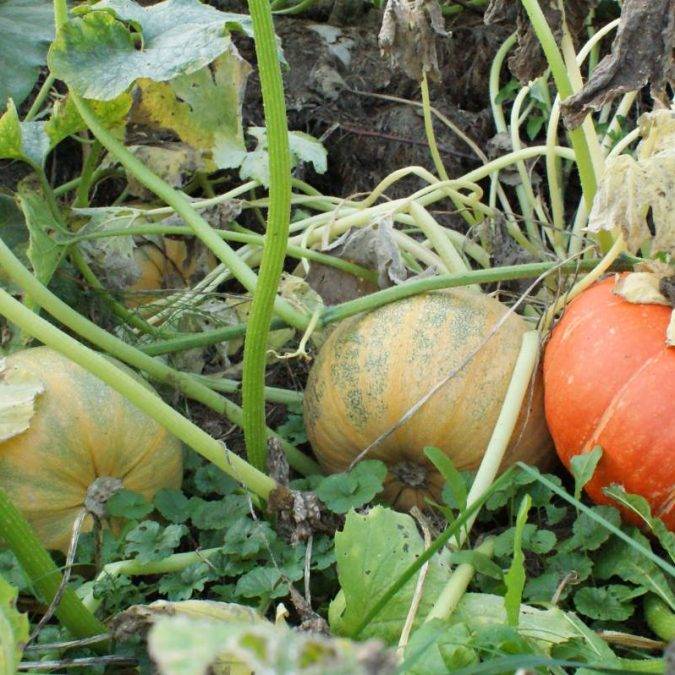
pixel 374 367
pixel 81 430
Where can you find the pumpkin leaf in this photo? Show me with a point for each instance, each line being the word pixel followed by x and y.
pixel 32 141
pixel 203 108
pixel 26 29
pixel 180 645
pixel 176 163
pixel 111 258
pixel 515 578
pixel 645 27
pixel 343 491
pixel 65 119
pixel 97 56
pixel 13 629
pixel 303 148
pixel 44 251
pixel 371 550
pixel 634 190
pixel 17 402
pixel 26 141
pixel 641 288
pixel 583 467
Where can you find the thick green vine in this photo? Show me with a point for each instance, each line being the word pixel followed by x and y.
pixel 43 573
pixel 274 251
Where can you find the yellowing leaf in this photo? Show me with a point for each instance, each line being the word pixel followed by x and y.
pixel 632 189
pixel 640 288
pixel 203 108
pixel 13 630
pixel 65 119
pixel 17 402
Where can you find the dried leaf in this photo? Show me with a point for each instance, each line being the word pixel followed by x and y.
pixel 299 293
pixel 17 401
pixel 174 162
pixel 408 36
pixel 373 247
pixel 111 258
pixel 642 52
pixel 335 285
pixel 634 189
pixel 670 331
pixel 641 288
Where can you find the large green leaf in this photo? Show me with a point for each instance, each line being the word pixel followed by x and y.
pixel 98 56
pixel 13 629
pixel 372 551
pixel 26 29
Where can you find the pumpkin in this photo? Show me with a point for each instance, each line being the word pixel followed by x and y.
pixel 166 263
pixel 374 367
pixel 610 381
pixel 81 430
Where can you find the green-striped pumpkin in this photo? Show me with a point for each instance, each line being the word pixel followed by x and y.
pixel 374 367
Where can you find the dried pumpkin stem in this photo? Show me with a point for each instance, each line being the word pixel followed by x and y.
pixel 43 573
pixel 457 584
pixel 519 385
pixel 145 400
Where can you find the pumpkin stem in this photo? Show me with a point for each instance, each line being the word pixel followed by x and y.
pixel 411 474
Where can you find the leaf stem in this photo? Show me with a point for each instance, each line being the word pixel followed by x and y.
pixel 278 217
pixel 182 206
pixel 346 309
pixel 40 98
pixel 43 573
pixel 559 71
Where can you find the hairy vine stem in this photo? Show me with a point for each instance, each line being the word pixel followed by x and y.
pixel 276 238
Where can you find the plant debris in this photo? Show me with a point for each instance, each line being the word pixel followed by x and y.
pixel 641 53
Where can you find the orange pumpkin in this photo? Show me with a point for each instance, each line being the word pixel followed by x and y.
pixel 374 367
pixel 610 381
pixel 81 430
